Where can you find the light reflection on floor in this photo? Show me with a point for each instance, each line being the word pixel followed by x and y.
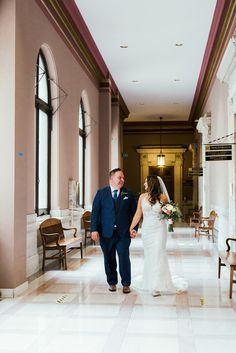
pixel 73 311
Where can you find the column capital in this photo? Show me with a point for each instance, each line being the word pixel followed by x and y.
pixel 115 100
pixel 105 86
pixel 204 128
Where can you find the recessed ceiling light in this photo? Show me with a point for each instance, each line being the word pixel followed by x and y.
pixel 123 46
pixel 178 44
pixel 141 103
pixel 134 81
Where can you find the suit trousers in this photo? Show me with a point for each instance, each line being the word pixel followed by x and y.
pixel 111 246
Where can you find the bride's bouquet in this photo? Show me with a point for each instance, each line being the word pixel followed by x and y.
pixel 171 212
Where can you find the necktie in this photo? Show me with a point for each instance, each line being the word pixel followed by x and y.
pixel 115 195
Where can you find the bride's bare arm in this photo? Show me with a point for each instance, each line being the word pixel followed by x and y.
pixel 137 216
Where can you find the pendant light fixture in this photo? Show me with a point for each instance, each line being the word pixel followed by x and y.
pixel 161 157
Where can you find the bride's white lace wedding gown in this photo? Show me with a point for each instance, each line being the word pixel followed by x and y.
pixel 156 276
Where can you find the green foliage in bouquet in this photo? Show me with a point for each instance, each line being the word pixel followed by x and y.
pixel 171 212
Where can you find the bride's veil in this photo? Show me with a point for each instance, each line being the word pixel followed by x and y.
pixel 163 188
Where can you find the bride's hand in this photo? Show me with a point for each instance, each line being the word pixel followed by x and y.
pixel 133 233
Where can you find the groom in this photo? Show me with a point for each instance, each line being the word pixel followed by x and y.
pixel 112 213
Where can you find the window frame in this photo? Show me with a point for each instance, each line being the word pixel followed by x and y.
pixel 83 135
pixel 40 105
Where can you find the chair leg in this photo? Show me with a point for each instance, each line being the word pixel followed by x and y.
pixel 65 259
pixel 219 267
pixel 43 266
pixel 85 238
pixel 231 282
pixel 198 234
pixel 81 250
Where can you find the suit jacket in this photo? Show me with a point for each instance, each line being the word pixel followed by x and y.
pixel 106 216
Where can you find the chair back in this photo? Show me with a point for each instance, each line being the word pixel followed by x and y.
pixel 49 226
pixel 212 218
pixel 86 218
pixel 197 214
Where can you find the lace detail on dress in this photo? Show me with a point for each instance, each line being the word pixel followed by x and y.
pixel 156 274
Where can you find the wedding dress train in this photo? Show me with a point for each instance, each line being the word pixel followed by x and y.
pixel 156 276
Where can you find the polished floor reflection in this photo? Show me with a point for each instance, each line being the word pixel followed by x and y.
pixel 73 311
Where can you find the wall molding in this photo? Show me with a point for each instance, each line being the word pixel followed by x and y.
pixel 222 29
pixel 14 292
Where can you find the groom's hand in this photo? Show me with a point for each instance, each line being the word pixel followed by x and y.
pixel 95 236
pixel 133 233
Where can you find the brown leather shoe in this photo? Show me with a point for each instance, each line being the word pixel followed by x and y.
pixel 112 288
pixel 126 289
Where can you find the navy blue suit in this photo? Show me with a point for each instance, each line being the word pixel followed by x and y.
pixel 112 220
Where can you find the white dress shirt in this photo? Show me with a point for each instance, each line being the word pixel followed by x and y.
pixel 112 191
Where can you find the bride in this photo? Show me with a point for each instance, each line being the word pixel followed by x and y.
pixel 156 277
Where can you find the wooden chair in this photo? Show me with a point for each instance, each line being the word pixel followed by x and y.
pixel 195 217
pixel 86 219
pixel 205 226
pixel 53 239
pixel 228 258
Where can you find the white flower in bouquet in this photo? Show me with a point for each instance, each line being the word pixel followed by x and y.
pixel 171 213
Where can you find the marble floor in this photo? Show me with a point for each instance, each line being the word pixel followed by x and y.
pixel 73 312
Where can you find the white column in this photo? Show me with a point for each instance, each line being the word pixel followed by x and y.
pixel 144 169
pixel 195 165
pixel 104 132
pixel 227 75
pixel 178 182
pixel 115 134
pixel 204 127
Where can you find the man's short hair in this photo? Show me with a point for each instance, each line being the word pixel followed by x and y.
pixel 113 171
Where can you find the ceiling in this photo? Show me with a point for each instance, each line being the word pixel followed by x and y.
pixel 157 73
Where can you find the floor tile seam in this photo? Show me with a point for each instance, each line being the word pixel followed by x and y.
pixel 121 322
pixel 230 320
pixel 152 335
pixel 87 289
pixel 215 336
pixel 184 344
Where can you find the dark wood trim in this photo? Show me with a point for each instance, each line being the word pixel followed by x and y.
pixel 152 127
pixel 46 108
pixel 222 29
pixel 70 25
pixel 83 135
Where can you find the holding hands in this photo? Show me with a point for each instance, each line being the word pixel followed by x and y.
pixel 133 233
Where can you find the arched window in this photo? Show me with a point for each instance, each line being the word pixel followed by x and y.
pixel 43 138
pixel 82 145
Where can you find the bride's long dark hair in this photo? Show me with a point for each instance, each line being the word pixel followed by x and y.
pixel 153 189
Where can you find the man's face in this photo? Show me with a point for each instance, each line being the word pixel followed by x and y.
pixel 117 180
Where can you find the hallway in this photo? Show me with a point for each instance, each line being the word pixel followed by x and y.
pixel 73 312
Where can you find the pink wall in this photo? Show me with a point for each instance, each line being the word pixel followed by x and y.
pixel 32 32
pixel 7 136
pixel 24 29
